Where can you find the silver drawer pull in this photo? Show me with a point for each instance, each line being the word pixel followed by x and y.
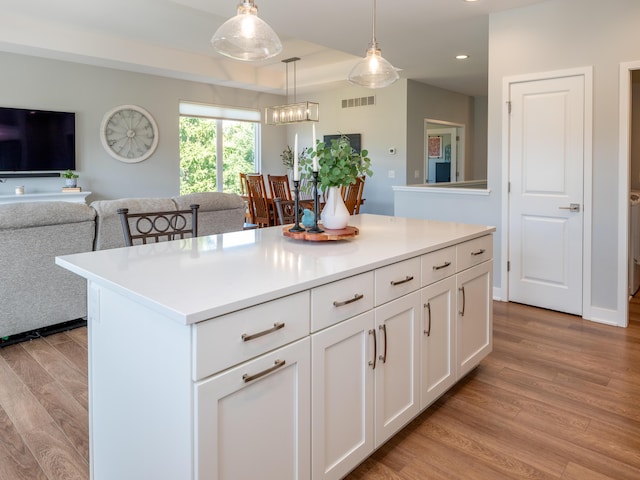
pixel 383 357
pixel 427 332
pixel 356 297
pixel 276 365
pixel 400 282
pixel 440 267
pixel 375 349
pixel 478 252
pixel 276 326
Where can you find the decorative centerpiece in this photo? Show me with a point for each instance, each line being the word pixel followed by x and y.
pixel 336 165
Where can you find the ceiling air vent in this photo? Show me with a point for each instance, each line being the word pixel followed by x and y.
pixel 358 102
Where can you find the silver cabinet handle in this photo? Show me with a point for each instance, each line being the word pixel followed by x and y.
pixel 400 282
pixel 440 267
pixel 478 252
pixel 463 301
pixel 573 207
pixel 427 332
pixel 383 357
pixel 276 365
pixel 276 326
pixel 356 297
pixel 375 349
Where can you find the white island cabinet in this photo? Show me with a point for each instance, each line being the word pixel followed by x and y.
pixel 252 355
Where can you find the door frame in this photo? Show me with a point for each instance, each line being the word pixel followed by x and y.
pixel 624 185
pixel 587 74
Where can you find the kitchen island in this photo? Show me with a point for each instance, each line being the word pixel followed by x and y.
pixel 252 355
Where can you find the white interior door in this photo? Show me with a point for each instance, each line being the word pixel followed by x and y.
pixel 546 162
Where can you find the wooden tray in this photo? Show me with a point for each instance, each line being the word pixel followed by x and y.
pixel 327 235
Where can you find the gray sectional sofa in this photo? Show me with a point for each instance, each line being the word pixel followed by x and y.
pixel 36 294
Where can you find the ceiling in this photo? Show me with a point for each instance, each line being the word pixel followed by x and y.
pixel 172 38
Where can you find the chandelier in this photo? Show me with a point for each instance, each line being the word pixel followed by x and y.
pixel 292 112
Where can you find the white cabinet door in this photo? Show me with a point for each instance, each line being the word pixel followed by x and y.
pixel 342 396
pixel 253 421
pixel 438 366
pixel 475 308
pixel 397 390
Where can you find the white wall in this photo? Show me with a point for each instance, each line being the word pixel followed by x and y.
pixel 31 82
pixel 563 34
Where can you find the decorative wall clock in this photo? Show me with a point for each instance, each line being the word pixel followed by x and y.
pixel 129 133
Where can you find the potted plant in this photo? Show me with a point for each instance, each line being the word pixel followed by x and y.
pixel 287 158
pixel 71 178
pixel 338 166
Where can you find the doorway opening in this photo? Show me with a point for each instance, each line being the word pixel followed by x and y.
pixel 629 219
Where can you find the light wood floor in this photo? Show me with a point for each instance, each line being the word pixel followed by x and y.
pixel 559 398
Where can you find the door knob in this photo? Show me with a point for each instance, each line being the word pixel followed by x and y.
pixel 573 207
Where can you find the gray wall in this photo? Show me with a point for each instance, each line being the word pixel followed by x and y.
pixel 382 126
pixel 425 101
pixel 31 82
pixel 562 34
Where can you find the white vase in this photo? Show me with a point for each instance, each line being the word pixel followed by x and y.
pixel 335 215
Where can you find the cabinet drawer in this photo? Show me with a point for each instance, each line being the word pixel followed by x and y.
pixel 397 280
pixel 474 251
pixel 340 300
pixel 233 338
pixel 438 265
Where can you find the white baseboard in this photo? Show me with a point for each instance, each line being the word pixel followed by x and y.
pixel 606 316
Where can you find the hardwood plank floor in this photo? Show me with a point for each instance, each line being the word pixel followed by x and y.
pixel 559 398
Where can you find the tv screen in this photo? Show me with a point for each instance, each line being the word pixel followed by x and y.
pixel 36 140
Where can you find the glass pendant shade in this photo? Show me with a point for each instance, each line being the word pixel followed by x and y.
pixel 246 37
pixel 373 71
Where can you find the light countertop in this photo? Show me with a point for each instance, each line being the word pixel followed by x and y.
pixel 195 279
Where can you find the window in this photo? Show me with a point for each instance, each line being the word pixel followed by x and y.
pixel 216 145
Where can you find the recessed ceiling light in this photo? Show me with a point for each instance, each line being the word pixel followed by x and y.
pixel 469 1
pixel 462 57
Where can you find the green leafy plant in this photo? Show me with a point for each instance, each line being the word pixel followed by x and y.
pixel 287 157
pixel 69 174
pixel 338 163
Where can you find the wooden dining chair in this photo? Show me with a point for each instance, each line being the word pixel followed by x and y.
pixel 259 201
pixel 244 193
pixel 353 196
pixel 158 226
pixel 279 187
pixel 286 211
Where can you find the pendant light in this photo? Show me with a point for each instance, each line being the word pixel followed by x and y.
pixel 246 37
pixel 292 112
pixel 373 71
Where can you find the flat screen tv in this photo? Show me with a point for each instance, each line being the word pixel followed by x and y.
pixel 36 140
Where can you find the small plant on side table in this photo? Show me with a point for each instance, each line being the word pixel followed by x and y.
pixel 70 178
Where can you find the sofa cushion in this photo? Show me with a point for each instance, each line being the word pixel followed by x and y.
pixel 108 224
pixel 34 214
pixel 218 213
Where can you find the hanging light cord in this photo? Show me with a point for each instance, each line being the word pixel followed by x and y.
pixel 374 43
pixel 287 62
